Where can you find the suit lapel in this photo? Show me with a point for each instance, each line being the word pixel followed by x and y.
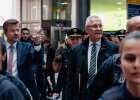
pixel 104 45
pixel 83 58
pixel 19 51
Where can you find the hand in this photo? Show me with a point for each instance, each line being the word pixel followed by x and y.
pixel 36 37
pixel 44 66
pixel 56 94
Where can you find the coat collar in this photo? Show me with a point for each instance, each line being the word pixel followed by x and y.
pixel 104 44
pixel 19 51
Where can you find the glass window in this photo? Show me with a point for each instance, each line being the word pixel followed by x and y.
pixel 31 10
pixel 32 26
pixel 31 14
pixel 56 9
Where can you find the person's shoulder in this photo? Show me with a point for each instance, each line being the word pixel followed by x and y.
pixel 5 82
pixel 113 93
pixel 112 43
pixel 25 44
pixel 9 90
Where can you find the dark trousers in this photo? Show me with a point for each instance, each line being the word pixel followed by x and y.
pixel 50 73
pixel 41 82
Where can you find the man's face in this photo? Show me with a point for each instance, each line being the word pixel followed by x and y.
pixel 74 41
pixel 12 33
pixel 95 29
pixel 25 35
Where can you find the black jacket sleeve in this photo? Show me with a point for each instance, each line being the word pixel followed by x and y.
pixel 102 80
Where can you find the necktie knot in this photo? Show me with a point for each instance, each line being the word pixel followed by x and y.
pixel 11 46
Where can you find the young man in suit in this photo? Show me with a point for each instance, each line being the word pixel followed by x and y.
pixel 8 90
pixel 79 71
pixel 25 55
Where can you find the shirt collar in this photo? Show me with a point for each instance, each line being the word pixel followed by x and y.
pixel 97 43
pixel 7 45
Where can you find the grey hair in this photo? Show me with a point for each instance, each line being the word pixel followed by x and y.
pixel 90 18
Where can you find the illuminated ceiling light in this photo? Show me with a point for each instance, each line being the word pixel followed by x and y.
pixel 44 6
pixel 64 3
pixel 119 3
pixel 119 8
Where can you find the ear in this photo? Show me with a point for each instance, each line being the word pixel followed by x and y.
pixel 86 29
pixel 3 56
pixel 120 62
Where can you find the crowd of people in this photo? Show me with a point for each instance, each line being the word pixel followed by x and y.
pixel 90 66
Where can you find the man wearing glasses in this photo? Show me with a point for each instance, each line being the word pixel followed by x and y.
pixel 87 58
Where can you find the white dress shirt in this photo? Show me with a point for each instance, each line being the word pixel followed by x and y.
pixel 14 69
pixel 98 46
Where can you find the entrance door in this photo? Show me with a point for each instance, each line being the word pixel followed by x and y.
pixel 58 34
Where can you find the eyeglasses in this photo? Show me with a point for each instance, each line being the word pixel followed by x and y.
pixel 95 26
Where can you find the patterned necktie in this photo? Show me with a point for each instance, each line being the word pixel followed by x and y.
pixel 92 69
pixel 10 60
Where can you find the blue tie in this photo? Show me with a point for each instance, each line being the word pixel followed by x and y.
pixel 92 69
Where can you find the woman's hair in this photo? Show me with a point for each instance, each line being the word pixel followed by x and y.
pixel 132 35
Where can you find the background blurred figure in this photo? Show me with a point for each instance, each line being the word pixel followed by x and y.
pixel 113 37
pixel 40 70
pixel 107 36
pixel 25 35
pixel 120 35
pixel 51 48
pixel 40 78
pixel 130 64
pixel 58 54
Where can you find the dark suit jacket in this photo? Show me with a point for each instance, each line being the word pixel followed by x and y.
pixel 27 58
pixel 76 84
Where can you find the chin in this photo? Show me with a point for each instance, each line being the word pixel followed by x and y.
pixel 136 81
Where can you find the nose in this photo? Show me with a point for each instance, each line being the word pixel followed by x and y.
pixel 137 63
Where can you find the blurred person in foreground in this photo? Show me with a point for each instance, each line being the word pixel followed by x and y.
pixel 110 73
pixel 130 65
pixel 79 73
